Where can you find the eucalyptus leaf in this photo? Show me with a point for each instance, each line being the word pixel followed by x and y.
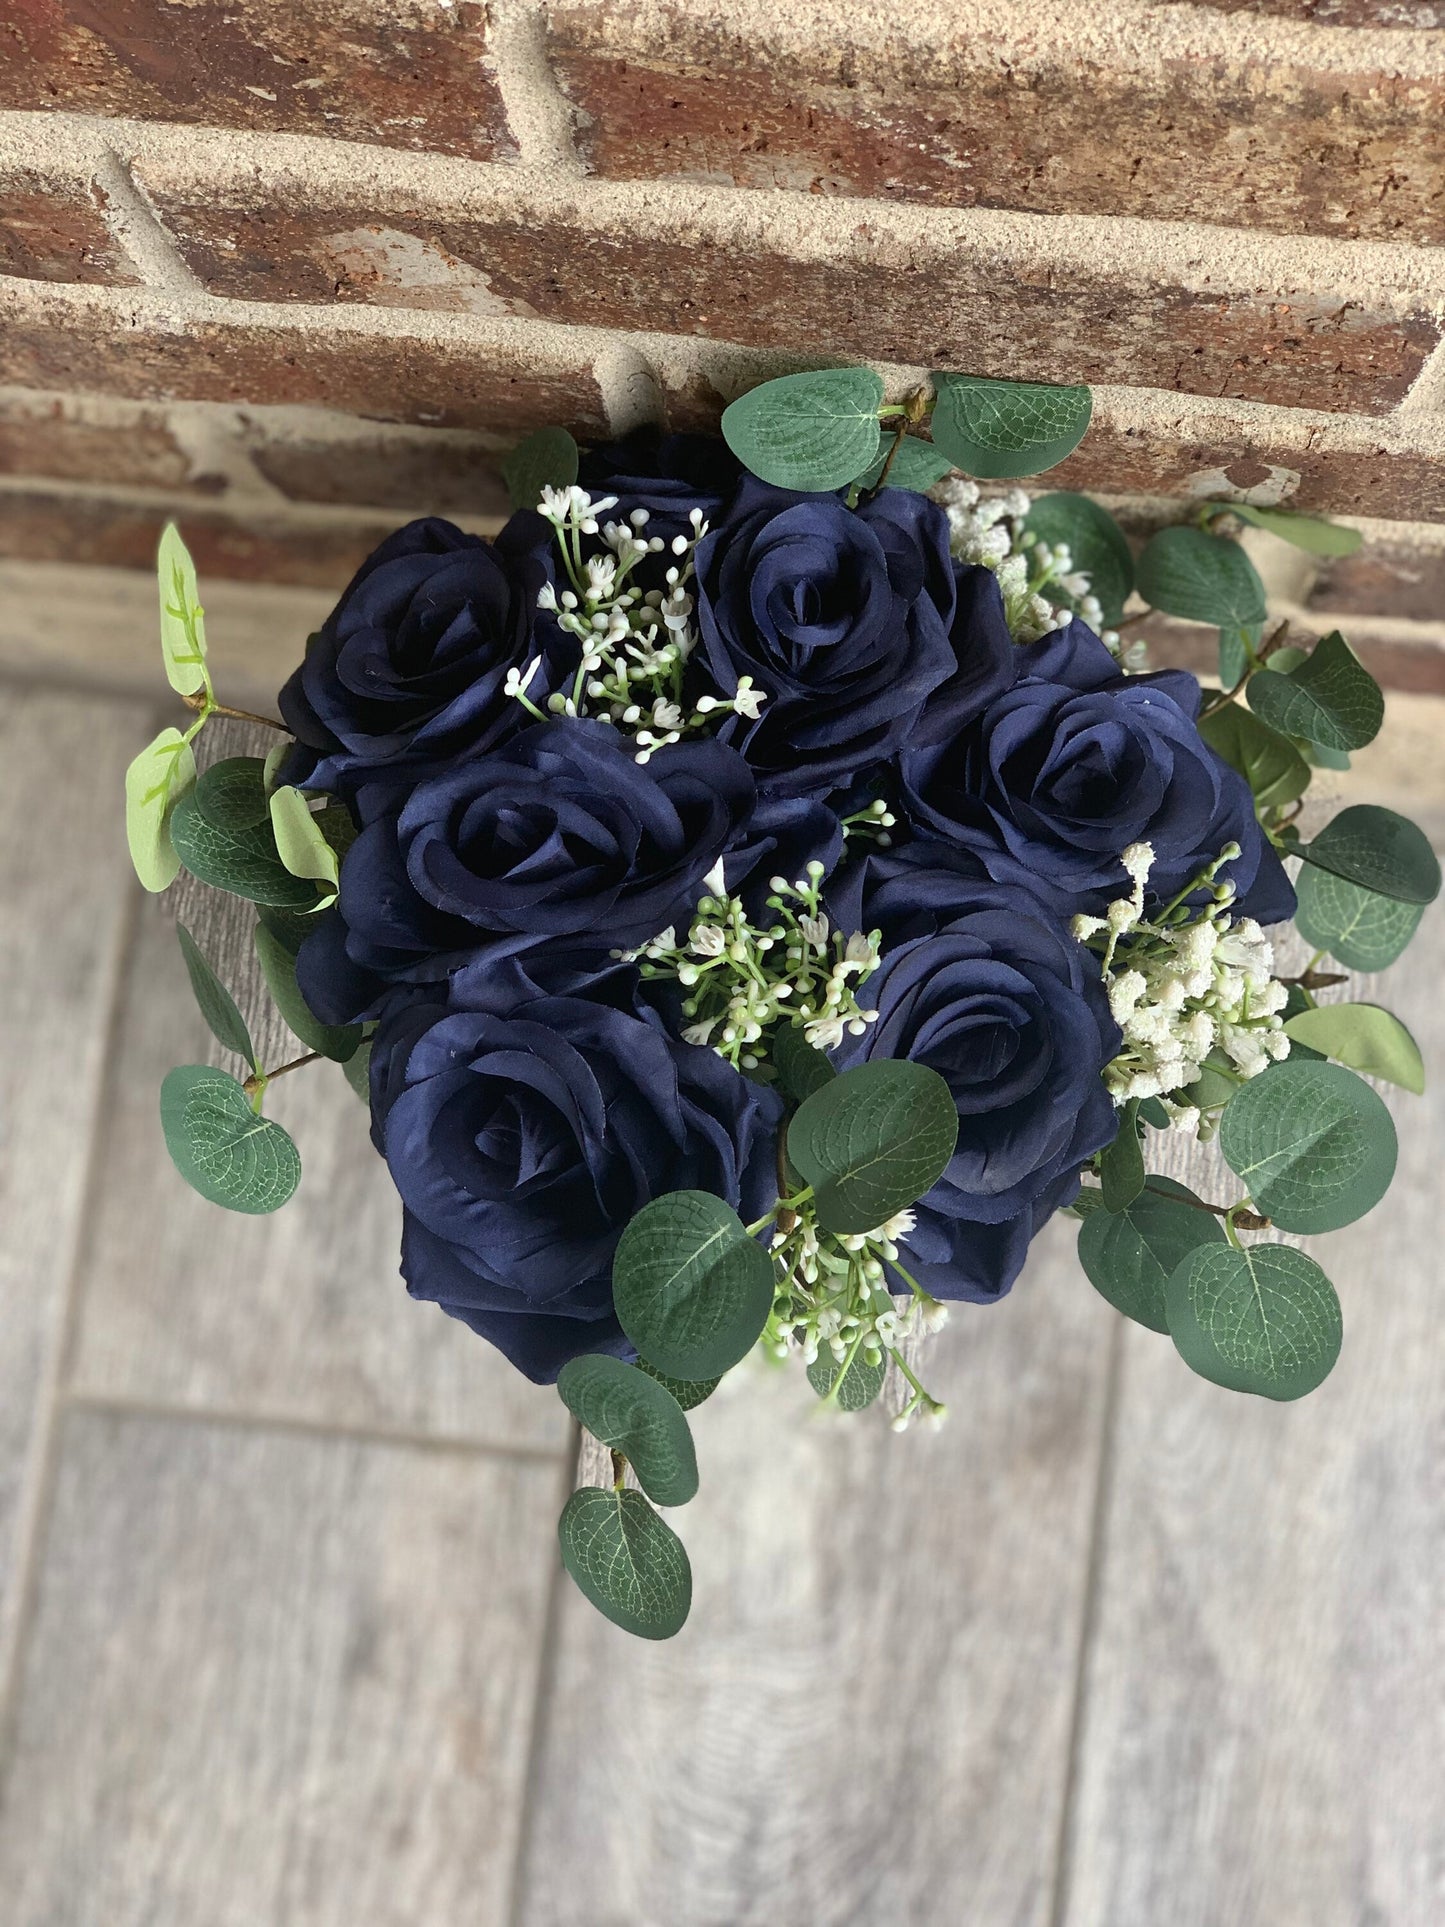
pixel 1304 531
pixel 692 1290
pixel 219 1145
pixel 1121 1163
pixel 1237 643
pixel 1263 1320
pixel 231 794
pixel 812 432
pixel 627 1561
pixel 547 459
pixel 873 1141
pixel 1096 543
pixel 1268 762
pixel 636 1415
pixel 155 782
pixel 1363 1036
pixel 244 862
pixel 1129 1256
pixel 1364 930
pixel 1001 430
pixel 688 1392
pixel 1313 1144
pixel 217 1005
pixel 860 1382
pixel 1204 578
pixel 1378 850
pixel 357 1070
pixel 339 1042
pixel 802 1068
pixel 183 623
pixel 1330 698
pixel 917 465
pixel 300 844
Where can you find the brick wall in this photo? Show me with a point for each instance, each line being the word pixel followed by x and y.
pixel 296 268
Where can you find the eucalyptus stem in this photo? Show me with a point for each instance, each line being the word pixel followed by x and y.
pixel 207 706
pixel 258 1082
pixel 1240 1213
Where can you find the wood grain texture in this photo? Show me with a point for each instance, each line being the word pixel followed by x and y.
pixel 1265 1700
pixel 866 1718
pixel 275 1680
pixel 64 899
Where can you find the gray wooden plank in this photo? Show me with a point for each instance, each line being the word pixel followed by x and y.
pixel 302 1314
pixel 1264 1713
pixel 866 1719
pixel 65 896
pixel 275 1679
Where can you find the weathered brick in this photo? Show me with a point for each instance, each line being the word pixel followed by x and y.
pixel 55 231
pixel 1384 578
pixel 51 436
pixel 946 301
pixel 433 473
pixel 1401 657
pixel 403 73
pixel 400 377
pixel 1149 119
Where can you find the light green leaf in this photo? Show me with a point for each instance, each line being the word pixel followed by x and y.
pixel 231 794
pixel 1304 531
pixel 1096 543
pixel 1330 699
pixel 219 1145
pixel 873 1141
pixel 1313 1144
pixel 300 844
pixel 627 1561
pixel 339 1042
pixel 183 624
pixel 1265 1320
pixel 244 862
pixel 1121 1163
pixel 861 1382
pixel 1364 930
pixel 917 465
pixel 687 1391
pixel 217 1005
pixel 1001 430
pixel 1129 1256
pixel 1268 762
pixel 154 783
pixel 692 1289
pixel 1203 578
pixel 546 459
pixel 636 1415
pixel 801 1067
pixel 276 757
pixel 812 432
pixel 1365 1037
pixel 1378 850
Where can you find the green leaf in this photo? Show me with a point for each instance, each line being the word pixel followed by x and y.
pixel 627 1561
pixel 154 783
pixel 1215 1084
pixel 636 1415
pixel 1264 1320
pixel 1363 929
pixel 357 1070
pixel 1001 430
pixel 339 1042
pixel 1129 1256
pixel 692 1289
pixel 813 431
pixel 861 1384
pixel 1121 1163
pixel 1330 699
pixel 687 1391
pixel 219 1145
pixel 917 465
pixel 300 844
pixel 1203 578
pixel 289 927
pixel 1378 850
pixel 1304 531
pixel 241 861
pixel 1268 762
pixel 1312 1142
pixel 1237 643
pixel 547 459
pixel 231 794
pixel 802 1068
pixel 873 1141
pixel 217 1005
pixel 1363 1036
pixel 183 624
pixel 1096 543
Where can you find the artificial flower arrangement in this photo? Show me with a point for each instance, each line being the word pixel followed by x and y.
pixel 760 887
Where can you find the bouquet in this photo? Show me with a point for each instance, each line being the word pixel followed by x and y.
pixel 763 885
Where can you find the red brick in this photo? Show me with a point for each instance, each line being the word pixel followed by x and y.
pixel 53 231
pixel 417 475
pixel 945 304
pixel 1384 578
pixel 382 377
pixel 44 436
pixel 1151 125
pixel 1408 660
pixel 403 73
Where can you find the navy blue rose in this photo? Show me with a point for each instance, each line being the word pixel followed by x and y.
pixel 1062 772
pixel 523 1143
pixel 856 625
pixel 411 665
pixel 979 983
